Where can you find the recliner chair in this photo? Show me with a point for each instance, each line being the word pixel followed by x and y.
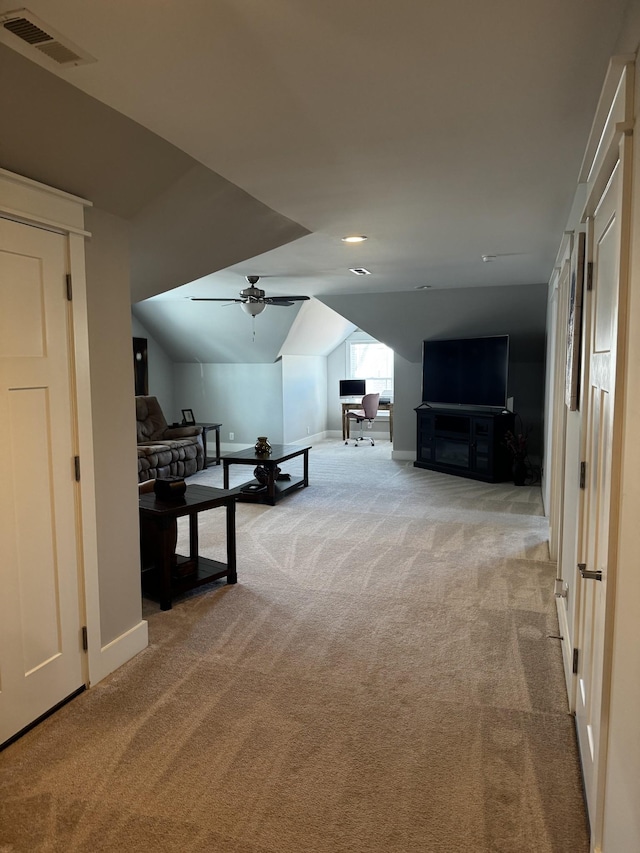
pixel 368 412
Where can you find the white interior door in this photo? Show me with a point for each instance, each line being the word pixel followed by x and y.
pixel 41 658
pixel 596 523
pixel 567 600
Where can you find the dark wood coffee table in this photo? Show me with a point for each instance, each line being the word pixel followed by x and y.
pixel 274 489
pixel 173 572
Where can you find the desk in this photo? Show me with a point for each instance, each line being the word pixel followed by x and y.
pixel 175 573
pixel 205 429
pixel 346 423
pixel 275 489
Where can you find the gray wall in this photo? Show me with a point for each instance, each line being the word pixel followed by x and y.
pixel 114 434
pixel 404 320
pixel 245 398
pixel 304 396
pixel 407 385
pixel 526 386
pixel 160 368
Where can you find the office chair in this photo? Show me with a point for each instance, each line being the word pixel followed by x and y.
pixel 367 413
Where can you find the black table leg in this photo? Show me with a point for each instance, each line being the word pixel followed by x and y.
pixel 271 483
pixel 193 536
pixel 165 545
pixel 232 577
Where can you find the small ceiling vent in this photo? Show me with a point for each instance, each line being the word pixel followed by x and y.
pixel 24 25
pixel 360 271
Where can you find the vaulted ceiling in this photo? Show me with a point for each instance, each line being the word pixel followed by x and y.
pixel 250 137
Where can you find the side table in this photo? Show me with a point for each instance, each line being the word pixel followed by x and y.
pixel 175 573
pixel 205 429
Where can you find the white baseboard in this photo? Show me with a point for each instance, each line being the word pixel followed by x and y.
pixel 567 651
pixel 118 652
pixel 404 455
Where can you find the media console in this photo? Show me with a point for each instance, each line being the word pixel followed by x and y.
pixel 466 442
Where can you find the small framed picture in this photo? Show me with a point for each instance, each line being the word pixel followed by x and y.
pixel 187 417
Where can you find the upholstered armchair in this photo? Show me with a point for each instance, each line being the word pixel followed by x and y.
pixel 165 451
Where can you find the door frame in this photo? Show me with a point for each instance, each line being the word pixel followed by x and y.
pixel 610 145
pixel 32 203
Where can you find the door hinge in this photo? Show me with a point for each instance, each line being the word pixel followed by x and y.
pixel 583 475
pixel 575 661
pixel 589 275
pixel 589 576
pixel 69 287
pixel 76 465
pixel 85 639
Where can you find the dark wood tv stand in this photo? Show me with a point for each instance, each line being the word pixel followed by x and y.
pixel 466 442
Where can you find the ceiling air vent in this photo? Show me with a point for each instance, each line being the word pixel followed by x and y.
pixel 24 25
pixel 360 271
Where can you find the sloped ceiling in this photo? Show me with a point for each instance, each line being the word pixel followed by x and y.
pixel 404 320
pixel 249 138
pixel 186 220
pixel 214 332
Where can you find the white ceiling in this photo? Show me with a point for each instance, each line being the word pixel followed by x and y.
pixel 441 129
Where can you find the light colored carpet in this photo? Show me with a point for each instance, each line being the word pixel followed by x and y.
pixel 380 680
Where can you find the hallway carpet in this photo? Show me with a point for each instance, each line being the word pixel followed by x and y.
pixel 384 678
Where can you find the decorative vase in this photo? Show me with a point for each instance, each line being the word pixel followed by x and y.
pixel 262 446
pixel 519 472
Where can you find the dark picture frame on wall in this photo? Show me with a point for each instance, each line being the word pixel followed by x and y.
pixel 187 417
pixel 140 367
pixel 574 327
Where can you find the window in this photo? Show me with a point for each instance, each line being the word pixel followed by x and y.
pixel 372 361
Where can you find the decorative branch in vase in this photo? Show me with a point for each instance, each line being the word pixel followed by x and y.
pixel 516 444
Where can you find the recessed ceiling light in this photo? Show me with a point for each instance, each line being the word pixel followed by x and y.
pixel 422 287
pixel 356 238
pixel 488 258
pixel 360 271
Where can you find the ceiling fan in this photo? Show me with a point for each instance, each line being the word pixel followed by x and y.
pixel 253 299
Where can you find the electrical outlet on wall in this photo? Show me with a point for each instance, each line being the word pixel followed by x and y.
pixel 232 435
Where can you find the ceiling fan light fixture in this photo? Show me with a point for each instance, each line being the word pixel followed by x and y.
pixel 253 308
pixel 355 238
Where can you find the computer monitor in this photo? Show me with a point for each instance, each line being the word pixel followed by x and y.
pixel 352 387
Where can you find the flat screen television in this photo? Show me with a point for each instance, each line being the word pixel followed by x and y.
pixel 466 371
pixel 352 387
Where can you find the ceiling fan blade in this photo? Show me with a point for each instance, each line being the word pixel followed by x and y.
pixel 213 299
pixel 284 300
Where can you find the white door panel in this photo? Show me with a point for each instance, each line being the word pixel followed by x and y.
pixel 601 352
pixel 41 660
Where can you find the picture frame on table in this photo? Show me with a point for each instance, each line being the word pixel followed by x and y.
pixel 187 417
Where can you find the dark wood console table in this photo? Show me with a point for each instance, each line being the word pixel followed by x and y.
pixel 173 572
pixel 274 489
